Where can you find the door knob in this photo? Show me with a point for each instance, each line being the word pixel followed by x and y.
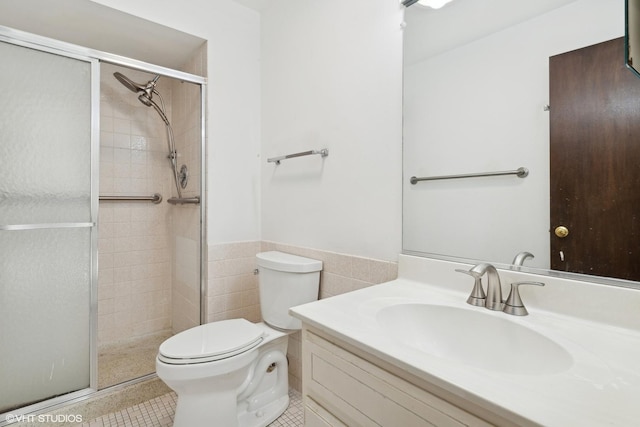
pixel 561 231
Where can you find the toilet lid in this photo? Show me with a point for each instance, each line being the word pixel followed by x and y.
pixel 212 341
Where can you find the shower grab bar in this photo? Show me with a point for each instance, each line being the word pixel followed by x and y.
pixel 520 173
pixel 324 153
pixel 18 227
pixel 184 200
pixel 156 198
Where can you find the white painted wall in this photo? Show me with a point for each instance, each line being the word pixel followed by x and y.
pixel 233 34
pixel 477 108
pixel 332 78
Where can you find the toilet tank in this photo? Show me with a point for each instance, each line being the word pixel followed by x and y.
pixel 286 280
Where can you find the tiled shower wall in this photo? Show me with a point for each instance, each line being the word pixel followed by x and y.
pixel 134 276
pixel 233 287
pixel 148 278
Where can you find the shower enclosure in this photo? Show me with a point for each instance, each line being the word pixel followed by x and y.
pixel 148 287
pixel 93 273
pixel 48 224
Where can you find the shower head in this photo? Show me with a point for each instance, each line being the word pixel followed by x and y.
pixel 148 88
pixel 145 92
pixel 128 83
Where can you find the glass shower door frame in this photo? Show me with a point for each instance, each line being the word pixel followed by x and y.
pixel 45 45
pixel 95 58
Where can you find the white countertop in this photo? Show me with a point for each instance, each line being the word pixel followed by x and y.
pixel 601 387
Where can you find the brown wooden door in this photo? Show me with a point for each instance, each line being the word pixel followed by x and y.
pixel 595 162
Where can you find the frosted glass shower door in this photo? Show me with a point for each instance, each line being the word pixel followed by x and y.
pixel 46 225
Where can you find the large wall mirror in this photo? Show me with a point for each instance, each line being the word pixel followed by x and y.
pixel 476 99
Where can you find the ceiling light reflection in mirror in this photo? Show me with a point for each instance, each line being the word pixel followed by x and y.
pixel 433 4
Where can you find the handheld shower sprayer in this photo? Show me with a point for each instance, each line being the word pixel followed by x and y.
pixel 149 102
pixel 145 95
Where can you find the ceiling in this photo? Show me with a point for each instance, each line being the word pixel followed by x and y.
pixel 92 25
pixel 460 22
pixel 253 4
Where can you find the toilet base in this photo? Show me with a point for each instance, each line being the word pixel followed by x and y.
pixel 265 415
pixel 201 409
pixel 250 389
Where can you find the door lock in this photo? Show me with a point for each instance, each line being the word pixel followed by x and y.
pixel 561 231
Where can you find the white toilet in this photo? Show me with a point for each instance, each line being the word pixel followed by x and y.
pixel 234 372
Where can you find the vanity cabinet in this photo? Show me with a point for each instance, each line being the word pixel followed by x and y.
pixel 341 388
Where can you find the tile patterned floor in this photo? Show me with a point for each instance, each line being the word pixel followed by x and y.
pixel 294 415
pixel 158 412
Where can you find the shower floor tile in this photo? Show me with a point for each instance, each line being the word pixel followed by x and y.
pixel 159 412
pixel 118 363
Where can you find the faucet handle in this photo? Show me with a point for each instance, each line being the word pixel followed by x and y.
pixel 513 304
pixel 477 296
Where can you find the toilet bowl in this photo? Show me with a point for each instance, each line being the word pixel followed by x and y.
pixel 233 372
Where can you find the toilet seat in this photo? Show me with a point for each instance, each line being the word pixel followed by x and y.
pixel 211 342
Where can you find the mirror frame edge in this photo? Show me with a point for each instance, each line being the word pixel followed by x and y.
pixel 627 38
pixel 596 280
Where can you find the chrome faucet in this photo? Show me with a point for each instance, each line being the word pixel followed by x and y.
pixel 493 299
pixel 494 287
pixel 519 258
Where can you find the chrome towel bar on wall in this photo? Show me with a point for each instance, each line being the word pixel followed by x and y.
pixel 324 153
pixel 520 173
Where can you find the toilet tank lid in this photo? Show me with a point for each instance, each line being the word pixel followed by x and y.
pixel 280 261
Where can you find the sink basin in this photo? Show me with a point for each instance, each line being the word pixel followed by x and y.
pixel 474 338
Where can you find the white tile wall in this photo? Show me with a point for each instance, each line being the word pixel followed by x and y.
pixel 232 289
pixel 134 277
